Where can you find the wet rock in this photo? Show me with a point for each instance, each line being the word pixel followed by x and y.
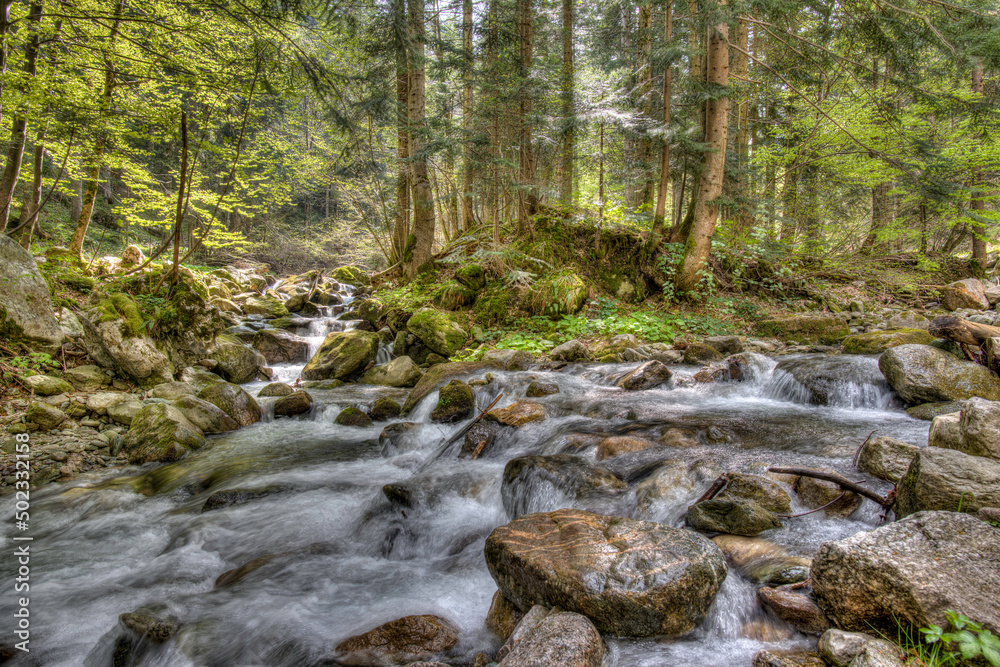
pixel 205 416
pixel 398 438
pixel 405 640
pixel 503 616
pixel 968 293
pixel 296 403
pixel 234 401
pixel 385 408
pixel 822 330
pixel 480 438
pixel 768 658
pixel 44 416
pixel 146 625
pixel 621 444
pixel 173 390
pixel 928 411
pixel 322 384
pixel 676 437
pixel 631 578
pixel 25 306
pixel 526 477
pixel 647 376
pixel 198 377
pixel 762 561
pixel 815 493
pixel 160 432
pixel 237 363
pixel 879 653
pixel 834 380
pixel 911 571
pixel 538 389
pixel 289 322
pixel 124 412
pixel 456 402
pixel 980 427
pixel 353 417
pixel 945 479
pixel 886 458
pixel 275 389
pixel 281 347
pixel 529 621
pixel 763 491
pixel 877 342
pixel 438 376
pixel 234 497
pixel 794 608
pixel 573 350
pixel 517 414
pixel 925 374
pixel 113 345
pixel 46 385
pixel 564 638
pixel 509 360
pixel 671 482
pixel 699 353
pixel 352 275
pixel 342 354
pixel 726 345
pixel 268 306
pixel 736 516
pixel 400 372
pixel 438 330
pixel 838 648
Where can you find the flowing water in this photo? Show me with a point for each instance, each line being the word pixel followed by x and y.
pixel 329 556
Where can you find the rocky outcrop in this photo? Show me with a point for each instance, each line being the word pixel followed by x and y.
pixel 112 345
pixel 281 347
pixel 400 372
pixel 160 432
pixel 911 571
pixel 945 479
pixel 631 578
pixel 233 400
pixel 886 458
pixel 438 330
pixel 25 307
pixel 405 640
pixel 968 293
pixel 877 342
pixel 342 354
pixel 925 374
pixel 565 639
pixel 237 363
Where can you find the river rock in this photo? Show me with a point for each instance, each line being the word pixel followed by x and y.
pixel 517 414
pixel 438 330
pixel 838 648
pixel 342 353
pixel 833 380
pixel 879 653
pixel 928 411
pixel 237 363
pixel 631 578
pixel 565 639
pixel 438 375
pixel 352 275
pixel 455 402
pixel 911 571
pixel 44 416
pixel 281 347
pixel 528 622
pixel 886 458
pixel 763 491
pixel 233 400
pixel 385 408
pixel 925 374
pixel 268 306
pixel 699 353
pixel 815 493
pixel 795 608
pixel 46 385
pixel 399 642
pixel 980 427
pixel 124 412
pixel 573 350
pixel 647 376
pixel 877 342
pixel 968 293
pixel 539 389
pixel 726 345
pixel 275 389
pixel 111 345
pixel 762 561
pixel 170 391
pixel 509 360
pixel 400 372
pixel 99 402
pixel 946 432
pixel 87 378
pixel 527 477
pixel 240 496
pixel 621 444
pixel 736 516
pixel 204 415
pixel 503 616
pixel 945 479
pixel 822 330
pixel 352 416
pixel 26 313
pixel 160 432
pixel 768 658
pixel 296 403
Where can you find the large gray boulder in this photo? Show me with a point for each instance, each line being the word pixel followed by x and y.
pixel 968 293
pixel 237 363
pixel 925 374
pixel 113 346
pixel 205 415
pixel 281 347
pixel 342 354
pixel 25 307
pixel 400 372
pixel 631 578
pixel 160 432
pixel 46 385
pixel 233 400
pixel 565 639
pixel 980 426
pixel 946 479
pixel 911 571
pixel 735 516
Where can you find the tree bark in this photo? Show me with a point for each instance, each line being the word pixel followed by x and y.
pixel 566 92
pixel 468 108
pixel 4 29
pixel 179 217
pixel 741 68
pixel 33 196
pixel 699 241
pixel 646 182
pixel 954 328
pixel 401 228
pixel 661 193
pixel 420 243
pixel 977 203
pixel 526 193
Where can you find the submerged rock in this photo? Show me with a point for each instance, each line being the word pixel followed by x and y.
pixel 528 480
pixel 621 444
pixel 925 374
pixel 911 571
pixel 699 353
pixel 405 640
pixel 385 408
pixel 205 416
pixel 503 616
pixel 517 414
pixel 816 493
pixel 631 578
pixel 539 389
pixel 565 639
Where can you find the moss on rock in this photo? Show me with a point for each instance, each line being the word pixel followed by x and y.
pixel 877 342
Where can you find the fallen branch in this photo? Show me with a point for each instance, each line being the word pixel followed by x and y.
pixel 468 427
pixel 840 481
pixel 857 454
pixel 717 486
pixel 956 329
pixel 793 516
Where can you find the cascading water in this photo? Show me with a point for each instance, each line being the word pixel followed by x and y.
pixel 350 532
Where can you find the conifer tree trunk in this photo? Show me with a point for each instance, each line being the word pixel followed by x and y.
pixel 421 238
pixel 706 213
pixel 469 171
pixel 100 143
pixel 401 229
pixel 4 29
pixel 661 194
pixel 526 194
pixel 566 90
pixel 645 186
pixel 741 69
pixel 977 203
pixel 881 204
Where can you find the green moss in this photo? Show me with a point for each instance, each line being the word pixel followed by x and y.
pixel 562 293
pixel 493 307
pixel 78 282
pixel 452 296
pixel 9 329
pixel 471 276
pixel 119 306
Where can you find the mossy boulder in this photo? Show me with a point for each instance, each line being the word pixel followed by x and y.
pixel 471 276
pixel 296 403
pixel 400 372
pixel 815 329
pixel 925 374
pixel 342 354
pixel 452 296
pixel 26 314
pixel 385 408
pixel 353 417
pixel 558 295
pixel 700 353
pixel 46 385
pixel 44 416
pixel 735 516
pixel 438 330
pixel 233 400
pixel 455 402
pixel 204 415
pixel 160 432
pixel 112 343
pixel 281 347
pixel 877 342
pixel 439 375
pixel 237 363
pixel 275 389
pixel 352 275
pixel 268 306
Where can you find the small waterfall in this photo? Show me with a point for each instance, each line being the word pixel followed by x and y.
pixel 384 355
pixel 845 381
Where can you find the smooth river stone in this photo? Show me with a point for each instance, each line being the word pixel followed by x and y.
pixel 631 578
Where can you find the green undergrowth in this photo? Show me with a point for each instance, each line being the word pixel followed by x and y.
pixel 963 642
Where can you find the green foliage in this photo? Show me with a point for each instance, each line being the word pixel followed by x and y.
pixel 12 369
pixel 966 639
pixel 668 262
pixel 119 306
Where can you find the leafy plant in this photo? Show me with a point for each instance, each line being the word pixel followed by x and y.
pixel 12 369
pixel 970 638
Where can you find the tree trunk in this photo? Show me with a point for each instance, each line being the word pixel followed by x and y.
pixel 646 182
pixel 741 69
pixel 422 238
pixel 179 217
pixel 789 205
pixel 469 170
pixel 661 194
pixel 4 29
pixel 526 194
pixel 699 241
pixel 401 228
pixel 881 216
pixel 977 203
pixel 566 90
pixel 33 196
pixel 100 143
